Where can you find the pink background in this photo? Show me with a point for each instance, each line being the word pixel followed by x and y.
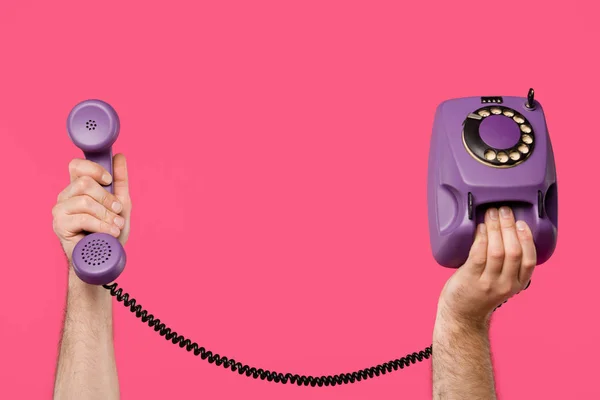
pixel 278 155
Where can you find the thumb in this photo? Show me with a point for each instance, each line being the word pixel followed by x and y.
pixel 120 177
pixel 121 188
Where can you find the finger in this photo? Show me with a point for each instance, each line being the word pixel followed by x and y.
pixel 121 176
pixel 512 247
pixel 86 185
pixel 86 205
pixel 79 168
pixel 478 253
pixel 495 251
pixel 78 223
pixel 529 259
pixel 121 188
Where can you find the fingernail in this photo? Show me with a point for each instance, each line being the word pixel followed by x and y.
pixel 115 231
pixel 116 206
pixel 520 226
pixel 106 178
pixel 494 214
pixel 505 212
pixel 119 221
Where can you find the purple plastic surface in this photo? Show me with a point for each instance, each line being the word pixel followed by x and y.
pixel 99 259
pixel 93 126
pixel 453 173
pixel 499 132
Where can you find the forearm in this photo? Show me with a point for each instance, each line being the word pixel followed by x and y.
pixel 86 365
pixel 462 365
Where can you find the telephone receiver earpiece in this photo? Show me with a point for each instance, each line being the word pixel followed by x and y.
pixel 93 126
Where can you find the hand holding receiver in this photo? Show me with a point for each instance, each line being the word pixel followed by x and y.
pixel 91 217
pixel 487 152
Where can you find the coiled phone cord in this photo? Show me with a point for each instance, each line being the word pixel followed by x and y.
pixel 256 373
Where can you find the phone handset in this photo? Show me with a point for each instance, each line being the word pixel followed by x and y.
pixel 93 126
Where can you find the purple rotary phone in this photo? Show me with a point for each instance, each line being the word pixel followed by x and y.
pixel 93 126
pixel 487 152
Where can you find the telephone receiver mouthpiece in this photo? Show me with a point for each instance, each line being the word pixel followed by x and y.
pixel 93 126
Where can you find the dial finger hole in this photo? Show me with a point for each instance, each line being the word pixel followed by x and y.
pixel 514 155
pixel 518 119
pixel 527 139
pixel 509 113
pixel 489 155
pixel 502 157
pixel 525 128
pixel 496 111
pixel 523 149
pixel 484 113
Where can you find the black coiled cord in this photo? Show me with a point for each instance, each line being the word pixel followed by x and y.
pixel 256 373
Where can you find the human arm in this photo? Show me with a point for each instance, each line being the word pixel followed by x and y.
pixel 86 367
pixel 500 264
